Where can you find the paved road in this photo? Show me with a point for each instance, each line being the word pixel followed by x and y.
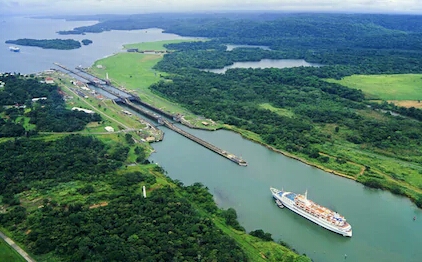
pixel 17 248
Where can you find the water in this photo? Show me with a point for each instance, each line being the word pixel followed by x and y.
pixel 35 59
pixel 383 226
pixel 231 47
pixel 264 63
pixel 383 229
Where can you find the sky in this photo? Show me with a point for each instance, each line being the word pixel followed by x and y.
pixel 48 7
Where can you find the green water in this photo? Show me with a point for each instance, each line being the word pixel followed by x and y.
pixel 383 226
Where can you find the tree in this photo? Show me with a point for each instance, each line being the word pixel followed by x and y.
pixel 261 234
pixel 418 201
pixel 230 217
pixel 129 139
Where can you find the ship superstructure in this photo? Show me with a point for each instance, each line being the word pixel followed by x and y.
pixel 320 215
pixel 14 49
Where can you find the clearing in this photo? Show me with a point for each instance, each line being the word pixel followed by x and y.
pixel 386 87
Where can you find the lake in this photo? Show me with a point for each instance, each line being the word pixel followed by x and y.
pixel 264 63
pixel 230 47
pixel 35 59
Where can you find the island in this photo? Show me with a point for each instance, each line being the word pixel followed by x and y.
pixel 86 42
pixel 60 44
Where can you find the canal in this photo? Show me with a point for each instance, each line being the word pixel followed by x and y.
pixel 383 226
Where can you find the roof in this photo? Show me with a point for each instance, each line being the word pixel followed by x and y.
pixel 109 129
pixel 291 196
pixel 35 99
pixel 83 110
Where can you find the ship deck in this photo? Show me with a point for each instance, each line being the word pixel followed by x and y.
pixel 320 212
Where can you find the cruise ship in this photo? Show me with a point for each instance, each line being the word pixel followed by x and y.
pixel 320 215
pixel 14 49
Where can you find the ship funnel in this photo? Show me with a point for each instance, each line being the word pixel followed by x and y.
pixel 306 194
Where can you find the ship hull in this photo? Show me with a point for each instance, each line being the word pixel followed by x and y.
pixel 290 204
pixel 14 49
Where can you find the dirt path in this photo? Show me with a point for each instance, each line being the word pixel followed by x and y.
pixel 17 248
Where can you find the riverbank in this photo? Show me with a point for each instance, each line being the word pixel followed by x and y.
pixel 391 185
pixel 254 138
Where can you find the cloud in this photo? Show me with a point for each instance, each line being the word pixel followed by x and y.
pixel 147 6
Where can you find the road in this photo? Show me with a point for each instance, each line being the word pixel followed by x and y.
pixel 17 248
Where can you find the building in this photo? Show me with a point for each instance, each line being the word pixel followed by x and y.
pixel 83 110
pixel 35 99
pixel 49 80
pixel 109 129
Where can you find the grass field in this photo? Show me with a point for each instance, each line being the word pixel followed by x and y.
pixel 386 87
pixel 157 46
pixel 279 111
pixel 407 103
pixel 130 70
pixel 8 254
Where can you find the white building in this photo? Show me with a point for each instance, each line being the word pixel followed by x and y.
pixel 38 98
pixel 109 129
pixel 83 110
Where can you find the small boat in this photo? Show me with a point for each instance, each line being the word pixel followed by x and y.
pixel 279 204
pixel 14 49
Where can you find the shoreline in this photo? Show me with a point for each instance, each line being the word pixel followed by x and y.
pixel 286 154
pixel 334 172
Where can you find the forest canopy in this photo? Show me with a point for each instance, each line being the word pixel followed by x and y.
pixel 20 98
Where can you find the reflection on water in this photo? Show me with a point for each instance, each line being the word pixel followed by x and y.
pixel 231 47
pixel 264 63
